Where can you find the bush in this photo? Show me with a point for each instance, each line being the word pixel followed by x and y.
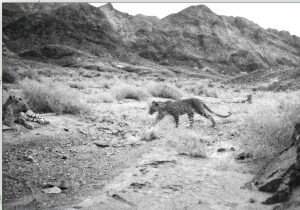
pixel 149 135
pixel 270 123
pixel 47 96
pixel 187 142
pixel 202 90
pixel 164 90
pixel 125 91
pixel 9 75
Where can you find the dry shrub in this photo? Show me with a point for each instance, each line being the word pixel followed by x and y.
pixel 106 84
pixel 163 90
pixel 126 91
pixel 102 97
pixel 149 135
pixel 270 123
pixel 202 90
pixel 9 75
pixel 188 142
pixel 48 96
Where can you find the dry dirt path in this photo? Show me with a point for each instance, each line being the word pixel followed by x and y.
pixel 164 180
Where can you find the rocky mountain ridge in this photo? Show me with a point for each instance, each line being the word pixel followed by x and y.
pixel 193 38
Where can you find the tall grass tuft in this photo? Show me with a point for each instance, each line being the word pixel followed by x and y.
pixel 187 142
pixel 48 96
pixel 126 91
pixel 163 90
pixel 270 122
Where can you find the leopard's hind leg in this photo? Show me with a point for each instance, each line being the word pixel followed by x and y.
pixel 208 116
pixel 203 113
pixel 22 121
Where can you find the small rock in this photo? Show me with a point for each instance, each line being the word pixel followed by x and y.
pixel 243 156
pixel 64 157
pixel 66 129
pixel 29 159
pixel 101 144
pixel 221 150
pixel 53 190
pixel 232 149
pixel 251 200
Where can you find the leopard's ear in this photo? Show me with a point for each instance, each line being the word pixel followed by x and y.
pixel 155 103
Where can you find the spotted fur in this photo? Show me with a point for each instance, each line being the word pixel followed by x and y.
pixel 181 107
pixel 33 117
pixel 12 111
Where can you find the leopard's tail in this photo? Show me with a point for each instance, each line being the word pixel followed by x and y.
pixel 219 115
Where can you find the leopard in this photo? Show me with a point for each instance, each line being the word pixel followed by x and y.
pixel 183 106
pixel 15 110
pixel 12 111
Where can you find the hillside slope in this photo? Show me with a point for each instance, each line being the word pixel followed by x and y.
pixel 193 38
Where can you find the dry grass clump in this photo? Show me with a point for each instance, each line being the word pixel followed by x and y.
pixel 102 97
pixel 188 142
pixel 77 86
pixel 126 91
pixel 48 96
pixel 163 90
pixel 106 84
pixel 202 90
pixel 270 123
pixel 149 135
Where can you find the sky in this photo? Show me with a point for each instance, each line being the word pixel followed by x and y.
pixel 280 16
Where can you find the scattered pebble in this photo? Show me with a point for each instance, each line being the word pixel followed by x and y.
pixel 221 150
pixel 243 156
pixel 53 190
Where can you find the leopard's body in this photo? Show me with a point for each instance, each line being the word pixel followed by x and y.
pixel 33 117
pixel 16 111
pixel 180 107
pixel 12 111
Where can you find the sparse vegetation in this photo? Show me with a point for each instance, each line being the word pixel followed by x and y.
pixel 47 96
pixel 102 97
pixel 187 142
pixel 126 91
pixel 202 90
pixel 163 90
pixel 149 135
pixel 270 123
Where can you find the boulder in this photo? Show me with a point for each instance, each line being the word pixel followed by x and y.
pixel 282 174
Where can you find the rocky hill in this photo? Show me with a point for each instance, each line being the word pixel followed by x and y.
pixel 193 38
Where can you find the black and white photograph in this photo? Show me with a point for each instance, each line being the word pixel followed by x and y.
pixel 150 106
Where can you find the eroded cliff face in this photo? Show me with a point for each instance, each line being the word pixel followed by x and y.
pixel 282 174
pixel 193 38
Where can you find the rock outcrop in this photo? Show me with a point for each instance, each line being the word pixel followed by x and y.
pixel 193 38
pixel 282 174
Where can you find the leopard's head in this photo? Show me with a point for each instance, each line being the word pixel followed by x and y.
pixel 155 106
pixel 17 103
